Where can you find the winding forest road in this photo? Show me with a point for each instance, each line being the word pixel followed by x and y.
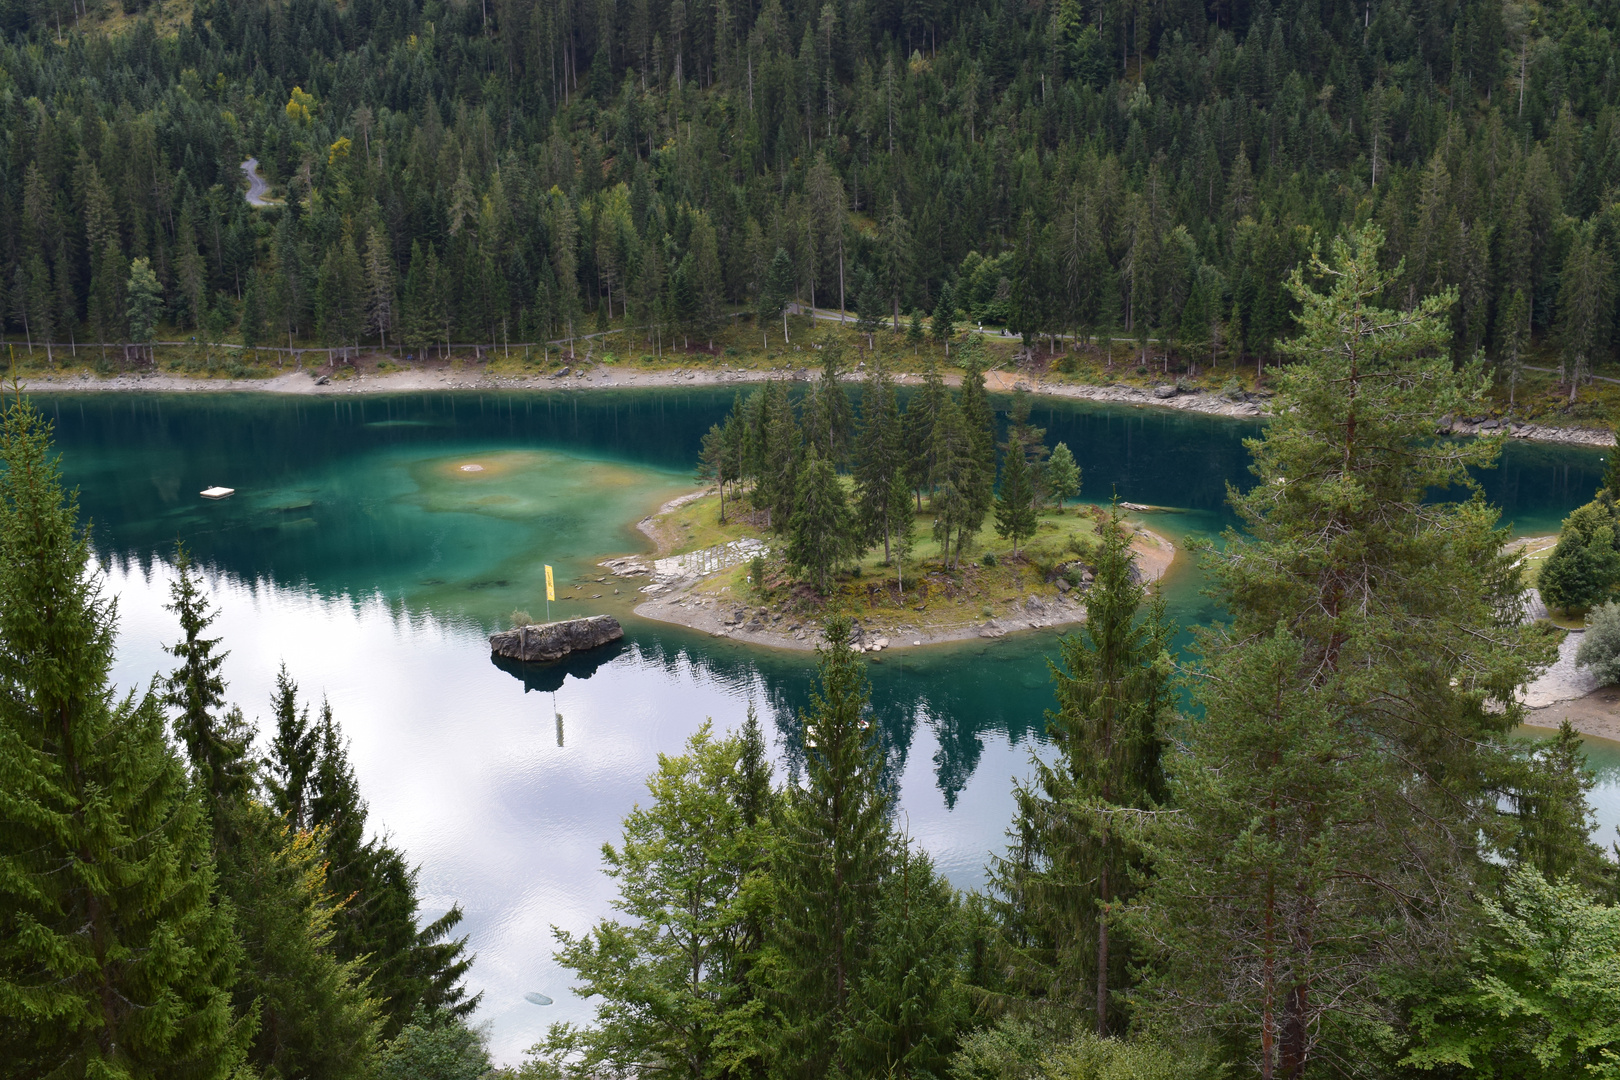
pixel 258 193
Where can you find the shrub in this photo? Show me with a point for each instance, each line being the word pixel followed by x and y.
pixel 989 558
pixel 521 618
pixel 1232 389
pixel 1600 646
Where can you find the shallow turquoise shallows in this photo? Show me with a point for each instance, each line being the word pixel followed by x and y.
pixel 373 542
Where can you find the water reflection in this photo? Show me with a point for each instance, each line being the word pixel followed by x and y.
pixel 357 551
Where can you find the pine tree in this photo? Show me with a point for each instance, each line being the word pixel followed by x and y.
pixel 145 301
pixel 1350 749
pixel 317 1016
pixel 115 959
pixel 955 481
pixel 909 1004
pixel 340 295
pixel 777 290
pixel 1015 501
pixel 1062 475
pixel 294 753
pixel 707 279
pixel 1514 334
pixel 252 327
pixel 821 533
pixel 829 423
pixel 879 461
pixel 380 302
pixel 218 744
pixel 943 325
pixel 914 330
pixel 922 413
pixel 868 307
pixel 835 850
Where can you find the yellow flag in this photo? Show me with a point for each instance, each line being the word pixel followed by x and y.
pixel 551 590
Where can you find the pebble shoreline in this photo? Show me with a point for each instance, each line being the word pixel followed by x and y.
pixel 592 377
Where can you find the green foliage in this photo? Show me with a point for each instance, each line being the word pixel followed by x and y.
pixel 672 973
pixel 1371 668
pixel 1585 566
pixel 116 958
pixel 1541 995
pixel 1018 1050
pixel 1072 860
pixel 1015 500
pixel 821 535
pixel 434 1047
pixel 145 300
pixel 1062 475
pixel 1599 650
pixel 217 745
pixel 829 863
pixel 316 1013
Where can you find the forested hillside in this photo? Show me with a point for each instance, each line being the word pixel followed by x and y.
pixel 507 171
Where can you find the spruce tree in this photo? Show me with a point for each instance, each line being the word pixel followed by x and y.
pixel 1062 475
pixel 835 849
pixel 955 480
pixel 218 740
pixel 115 959
pixel 909 1003
pixel 914 330
pixel 922 413
pixel 943 325
pixel 822 532
pixel 1015 501
pixel 879 461
pixel 1070 865
pixel 1336 803
pixel 294 753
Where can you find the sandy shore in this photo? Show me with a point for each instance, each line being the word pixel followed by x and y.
pixel 585 374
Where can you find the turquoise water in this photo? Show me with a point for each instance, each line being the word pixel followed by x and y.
pixel 362 552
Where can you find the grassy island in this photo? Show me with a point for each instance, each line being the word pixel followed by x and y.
pixel 922 600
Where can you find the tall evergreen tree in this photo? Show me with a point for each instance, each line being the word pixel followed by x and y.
pixel 821 534
pixel 1336 804
pixel 879 461
pixel 294 752
pixel 218 740
pixel 1071 865
pixel 115 959
pixel 1015 500
pixel 1062 475
pixel 835 849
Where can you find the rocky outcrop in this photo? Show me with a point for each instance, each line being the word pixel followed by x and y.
pixel 551 641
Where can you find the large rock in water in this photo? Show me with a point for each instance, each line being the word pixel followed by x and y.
pixel 551 641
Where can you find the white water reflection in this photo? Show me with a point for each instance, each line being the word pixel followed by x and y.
pixel 462 768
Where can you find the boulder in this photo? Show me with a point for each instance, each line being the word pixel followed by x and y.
pixel 551 641
pixel 1164 391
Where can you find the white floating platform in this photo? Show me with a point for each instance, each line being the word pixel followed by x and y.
pixel 217 492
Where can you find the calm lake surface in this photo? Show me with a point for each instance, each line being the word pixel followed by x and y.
pixel 361 553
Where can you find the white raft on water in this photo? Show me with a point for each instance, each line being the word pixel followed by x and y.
pixel 217 492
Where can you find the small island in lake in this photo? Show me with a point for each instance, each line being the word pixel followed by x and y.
pixel 701 577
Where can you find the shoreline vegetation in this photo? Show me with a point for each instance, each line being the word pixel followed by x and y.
pixel 711 593
pixel 373 374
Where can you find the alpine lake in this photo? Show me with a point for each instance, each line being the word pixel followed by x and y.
pixel 363 552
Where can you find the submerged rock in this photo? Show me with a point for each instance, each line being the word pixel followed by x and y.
pixel 551 641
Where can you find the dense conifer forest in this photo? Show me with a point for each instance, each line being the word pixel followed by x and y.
pixel 501 172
